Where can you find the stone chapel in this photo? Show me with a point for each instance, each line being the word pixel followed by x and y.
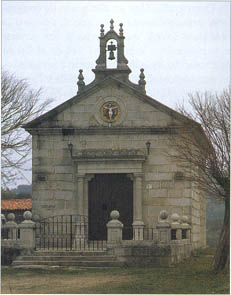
pixel 106 149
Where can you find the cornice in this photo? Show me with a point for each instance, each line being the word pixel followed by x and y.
pixel 109 155
pixel 101 131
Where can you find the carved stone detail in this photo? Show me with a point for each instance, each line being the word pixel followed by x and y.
pixel 109 154
pixel 89 177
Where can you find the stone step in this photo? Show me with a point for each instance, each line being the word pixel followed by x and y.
pixel 69 263
pixel 65 258
pixel 70 253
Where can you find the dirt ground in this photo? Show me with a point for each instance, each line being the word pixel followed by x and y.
pixel 57 283
pixel 193 276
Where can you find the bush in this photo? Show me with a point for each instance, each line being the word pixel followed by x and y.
pixel 8 255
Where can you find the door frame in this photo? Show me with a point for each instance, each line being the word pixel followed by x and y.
pixel 85 170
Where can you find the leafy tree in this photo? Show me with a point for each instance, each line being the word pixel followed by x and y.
pixel 209 159
pixel 19 105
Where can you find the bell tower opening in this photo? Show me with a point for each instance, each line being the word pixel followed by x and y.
pixel 111 61
pixel 111 49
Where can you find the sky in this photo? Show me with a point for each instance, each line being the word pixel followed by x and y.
pixel 183 47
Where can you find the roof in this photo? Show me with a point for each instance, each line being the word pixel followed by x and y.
pixel 16 204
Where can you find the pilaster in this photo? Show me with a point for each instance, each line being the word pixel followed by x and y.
pixel 80 194
pixel 138 224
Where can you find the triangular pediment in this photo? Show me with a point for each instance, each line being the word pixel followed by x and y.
pixel 83 110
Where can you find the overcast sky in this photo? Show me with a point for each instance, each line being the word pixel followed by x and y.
pixel 183 46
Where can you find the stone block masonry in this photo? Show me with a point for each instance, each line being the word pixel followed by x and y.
pixel 112 127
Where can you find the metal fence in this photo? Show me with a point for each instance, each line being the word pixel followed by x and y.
pixel 65 232
pixel 10 233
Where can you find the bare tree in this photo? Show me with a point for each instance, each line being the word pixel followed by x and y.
pixel 203 151
pixel 19 105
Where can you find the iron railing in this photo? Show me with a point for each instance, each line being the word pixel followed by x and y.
pixel 65 232
pixel 10 233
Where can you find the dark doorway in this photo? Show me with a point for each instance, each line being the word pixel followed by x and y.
pixel 107 192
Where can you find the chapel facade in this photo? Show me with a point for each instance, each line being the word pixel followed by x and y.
pixel 107 148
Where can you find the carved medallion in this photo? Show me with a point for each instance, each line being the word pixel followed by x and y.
pixel 110 111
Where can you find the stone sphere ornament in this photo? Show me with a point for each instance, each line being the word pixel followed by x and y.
pixel 114 214
pixel 184 219
pixel 175 217
pixel 11 217
pixel 36 218
pixel 27 215
pixel 163 215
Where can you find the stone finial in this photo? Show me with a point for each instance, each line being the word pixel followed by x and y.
pixel 121 30
pixel 163 215
pixel 102 30
pixel 112 25
pixel 80 82
pixel 36 218
pixel 142 82
pixel 11 217
pixel 114 214
pixel 27 215
pixel 175 218
pixel 184 219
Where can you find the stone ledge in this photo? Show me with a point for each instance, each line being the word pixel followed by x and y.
pixel 123 154
pixel 101 131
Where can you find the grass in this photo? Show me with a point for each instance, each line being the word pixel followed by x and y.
pixel 194 276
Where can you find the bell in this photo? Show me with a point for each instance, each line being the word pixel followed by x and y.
pixel 111 55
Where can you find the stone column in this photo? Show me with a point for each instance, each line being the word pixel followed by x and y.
pixel 138 224
pixel 79 222
pixel 87 178
pixel 80 191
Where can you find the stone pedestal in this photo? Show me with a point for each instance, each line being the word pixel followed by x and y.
pixel 12 227
pixel 114 229
pixel 163 232
pixel 163 228
pixel 27 231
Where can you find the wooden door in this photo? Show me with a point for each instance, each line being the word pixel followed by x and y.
pixel 107 192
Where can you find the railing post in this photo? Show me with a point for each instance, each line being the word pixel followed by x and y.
pixel 114 228
pixel 27 231
pixel 163 228
pixel 176 225
pixel 12 227
pixel 138 230
pixel 186 226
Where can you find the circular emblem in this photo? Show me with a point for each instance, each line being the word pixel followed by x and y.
pixel 110 111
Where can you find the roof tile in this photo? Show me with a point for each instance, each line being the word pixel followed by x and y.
pixel 16 204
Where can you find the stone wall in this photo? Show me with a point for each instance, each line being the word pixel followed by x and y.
pixel 55 174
